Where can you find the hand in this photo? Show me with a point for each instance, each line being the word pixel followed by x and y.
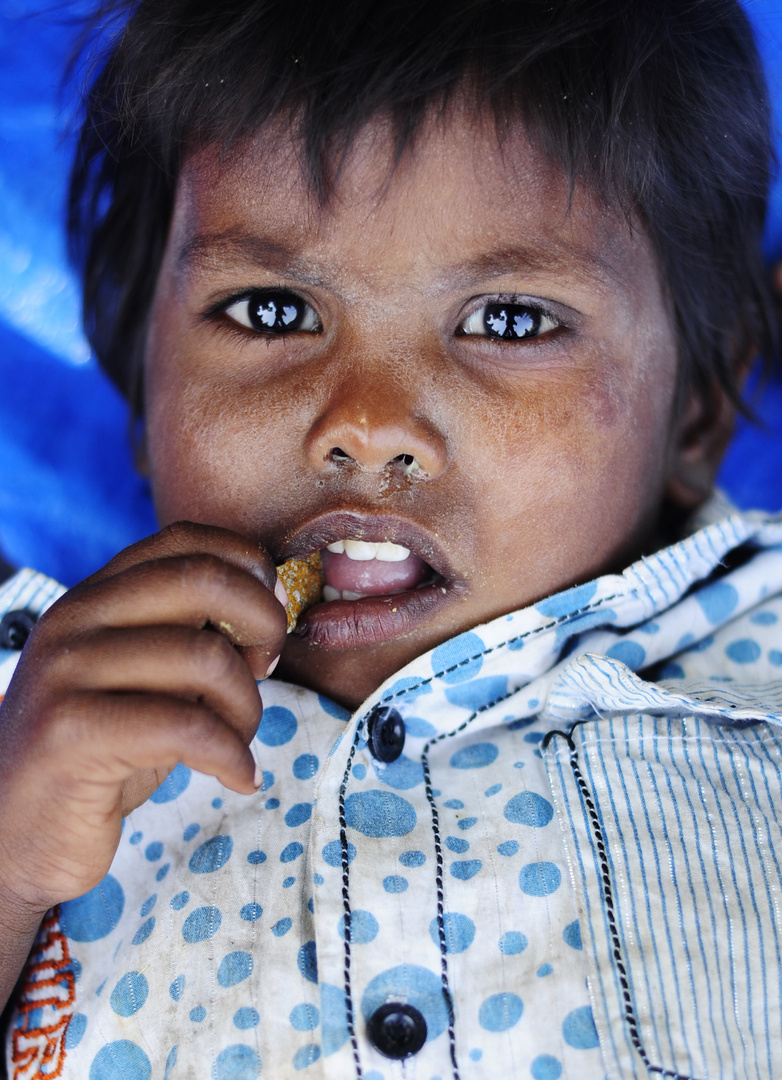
pixel 151 661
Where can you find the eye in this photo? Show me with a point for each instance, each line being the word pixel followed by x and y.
pixel 273 311
pixel 508 322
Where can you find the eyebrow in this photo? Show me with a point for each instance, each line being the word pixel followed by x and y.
pixel 241 250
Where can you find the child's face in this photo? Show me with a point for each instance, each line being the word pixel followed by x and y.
pixel 511 467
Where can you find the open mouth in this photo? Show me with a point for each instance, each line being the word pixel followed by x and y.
pixel 355 569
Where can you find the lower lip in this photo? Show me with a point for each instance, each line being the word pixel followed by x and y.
pixel 349 624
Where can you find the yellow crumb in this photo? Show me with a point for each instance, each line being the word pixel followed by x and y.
pixel 303 581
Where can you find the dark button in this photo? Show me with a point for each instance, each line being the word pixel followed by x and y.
pixel 385 733
pixel 15 627
pixel 397 1030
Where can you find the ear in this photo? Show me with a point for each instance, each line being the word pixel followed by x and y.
pixel 702 435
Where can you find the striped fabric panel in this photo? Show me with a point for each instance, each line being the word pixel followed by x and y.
pixel 674 837
pixel 26 591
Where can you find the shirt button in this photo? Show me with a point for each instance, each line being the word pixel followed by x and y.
pixel 15 627
pixel 385 733
pixel 397 1030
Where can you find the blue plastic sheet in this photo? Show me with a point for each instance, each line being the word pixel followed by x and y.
pixel 69 496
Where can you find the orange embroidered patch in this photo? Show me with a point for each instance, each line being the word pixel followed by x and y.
pixel 45 1006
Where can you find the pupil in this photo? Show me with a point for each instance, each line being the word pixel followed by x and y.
pixel 275 312
pixel 510 321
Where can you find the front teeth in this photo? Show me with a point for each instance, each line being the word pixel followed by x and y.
pixel 330 593
pixel 364 550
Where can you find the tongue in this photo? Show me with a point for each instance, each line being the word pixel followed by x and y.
pixel 373 577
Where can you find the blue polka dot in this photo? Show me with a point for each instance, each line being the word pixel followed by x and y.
pixel 197 1014
pixel 153 851
pixel 306 1055
pixel 534 737
pixel 529 808
pixel 419 728
pixel 543 970
pixel 763 618
pixel 332 853
pixel 238 1062
pixel 288 882
pixel 363 927
pixel 177 988
pixel 478 693
pixel 717 600
pixel 191 831
pixel 305 766
pixel 568 602
pixel 500 1012
pixel 282 926
pixel 170 1062
pixel 162 872
pixel 477 756
pixel 234 968
pixel 147 906
pixel 539 879
pixel 578 1029
pixel 211 855
pixel 201 924
pixel 395 883
pixel 508 847
pixel 278 726
pixel 459 659
pixel 298 814
pixel 417 986
pixel 628 652
pixel 492 790
pixel 743 651
pixel 333 1018
pixel 256 857
pixel 572 935
pixel 307 960
pixel 173 786
pixel 466 869
pixel 246 1018
pixel 457 845
pixel 359 771
pixel 402 774
pixel 130 994
pixel 512 943
pixel 144 931
pixel 671 670
pixel 267 780
pixel 136 838
pixel 251 912
pixel 318 879
pixel 94 915
pixel 412 858
pixel 545 1067
pixel 217 803
pixel 75 1033
pixel 454 804
pixel 459 932
pixel 305 1017
pixel 379 813
pixel 120 1060
pixel 291 852
pixel 331 707
pixel 775 656
pixel 466 823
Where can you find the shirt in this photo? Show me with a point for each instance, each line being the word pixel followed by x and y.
pixel 571 869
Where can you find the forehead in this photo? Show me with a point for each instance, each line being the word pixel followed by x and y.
pixel 460 203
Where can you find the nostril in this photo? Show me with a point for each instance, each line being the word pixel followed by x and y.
pixel 338 455
pixel 405 459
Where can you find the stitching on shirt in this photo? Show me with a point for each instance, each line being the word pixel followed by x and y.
pixel 343 840
pixel 616 946
pixel 508 641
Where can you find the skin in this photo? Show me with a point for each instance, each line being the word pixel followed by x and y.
pixel 513 468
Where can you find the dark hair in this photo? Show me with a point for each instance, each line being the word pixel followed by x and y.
pixel 659 108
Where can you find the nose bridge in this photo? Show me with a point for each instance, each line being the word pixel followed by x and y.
pixel 375 421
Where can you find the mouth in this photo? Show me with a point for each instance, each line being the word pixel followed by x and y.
pixel 383 577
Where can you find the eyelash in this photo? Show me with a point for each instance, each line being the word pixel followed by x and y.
pixel 273 312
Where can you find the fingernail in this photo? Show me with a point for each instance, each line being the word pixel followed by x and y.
pixel 271 667
pixel 280 593
pixel 258 777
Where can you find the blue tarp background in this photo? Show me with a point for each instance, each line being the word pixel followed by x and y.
pixel 69 497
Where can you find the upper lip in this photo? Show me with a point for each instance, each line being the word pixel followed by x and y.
pixel 352 525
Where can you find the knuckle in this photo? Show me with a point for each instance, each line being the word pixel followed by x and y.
pixel 213 657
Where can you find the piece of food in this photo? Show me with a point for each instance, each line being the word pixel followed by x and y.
pixel 303 581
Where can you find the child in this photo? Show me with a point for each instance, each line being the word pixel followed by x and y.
pixel 459 296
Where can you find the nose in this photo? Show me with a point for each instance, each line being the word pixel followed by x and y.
pixel 378 429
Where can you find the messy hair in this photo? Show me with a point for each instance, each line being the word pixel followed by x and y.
pixel 659 109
